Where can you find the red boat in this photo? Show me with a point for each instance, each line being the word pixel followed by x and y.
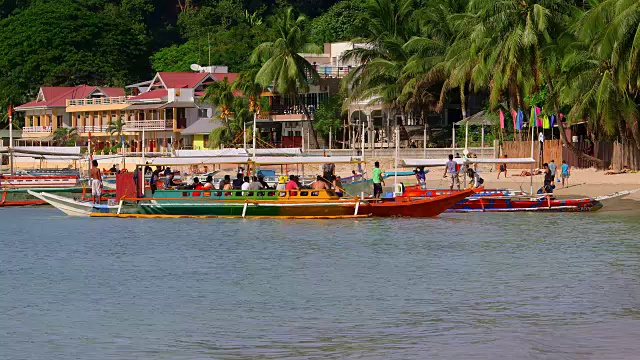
pixel 496 201
pixel 414 207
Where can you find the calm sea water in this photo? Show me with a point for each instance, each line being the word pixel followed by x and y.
pixel 477 286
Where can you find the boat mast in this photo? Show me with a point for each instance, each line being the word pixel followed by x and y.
pixel 11 165
pixel 395 161
pixel 531 177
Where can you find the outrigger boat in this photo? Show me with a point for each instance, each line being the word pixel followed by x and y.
pixel 500 200
pixel 299 203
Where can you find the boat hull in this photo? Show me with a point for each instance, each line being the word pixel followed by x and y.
pixel 415 207
pixel 253 209
pixel 73 207
pixel 514 205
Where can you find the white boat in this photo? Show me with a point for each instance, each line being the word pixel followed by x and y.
pixel 73 207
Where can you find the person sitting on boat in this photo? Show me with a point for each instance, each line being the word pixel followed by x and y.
pixel 282 183
pixel 226 179
pixel 168 183
pixel 208 184
pixel 114 169
pixel 237 182
pixel 292 184
pixel 296 178
pixel 167 171
pixel 147 168
pixel 255 184
pixel 227 185
pixel 245 184
pixel 319 184
pixel 337 185
pixel 195 185
pixel 474 178
pixel 264 184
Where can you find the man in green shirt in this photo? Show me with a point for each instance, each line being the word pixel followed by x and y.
pixel 378 181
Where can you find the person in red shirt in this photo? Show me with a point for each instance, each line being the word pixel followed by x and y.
pixel 291 184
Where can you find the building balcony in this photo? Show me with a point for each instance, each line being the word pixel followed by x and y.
pixel 36 129
pixel 98 101
pixel 148 125
pixel 93 129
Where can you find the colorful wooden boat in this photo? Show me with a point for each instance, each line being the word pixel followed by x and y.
pixel 417 191
pixel 415 207
pixel 506 201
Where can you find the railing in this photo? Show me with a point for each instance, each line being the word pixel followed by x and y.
pixel 98 101
pixel 331 71
pixel 36 129
pixel 86 129
pixel 148 125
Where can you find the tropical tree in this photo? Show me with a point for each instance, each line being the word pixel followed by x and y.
pixel 282 66
pixel 115 127
pixel 64 136
pixel 220 95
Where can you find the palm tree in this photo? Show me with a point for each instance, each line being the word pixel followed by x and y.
pixel 64 136
pixel 115 127
pixel 283 67
pixel 246 84
pixel 220 94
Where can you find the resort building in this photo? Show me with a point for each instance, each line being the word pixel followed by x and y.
pixel 156 113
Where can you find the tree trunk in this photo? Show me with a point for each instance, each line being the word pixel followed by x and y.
pixel 563 136
pixel 312 130
pixel 463 105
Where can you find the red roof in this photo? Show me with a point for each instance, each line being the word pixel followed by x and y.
pixel 153 94
pixel 57 96
pixel 179 80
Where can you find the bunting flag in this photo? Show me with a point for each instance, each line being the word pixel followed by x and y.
pixel 520 120
pixel 514 116
pixel 532 118
pixel 545 122
pixel 538 117
pixel 552 121
pixel 501 114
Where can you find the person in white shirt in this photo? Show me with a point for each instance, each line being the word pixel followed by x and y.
pixel 541 140
pixel 282 183
pixel 246 183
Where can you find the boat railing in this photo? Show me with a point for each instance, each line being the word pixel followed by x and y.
pixel 267 194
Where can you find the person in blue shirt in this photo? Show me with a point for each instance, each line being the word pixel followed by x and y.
pixel 168 183
pixel 552 168
pixel 565 173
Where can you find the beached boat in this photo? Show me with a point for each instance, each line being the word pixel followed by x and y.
pixel 514 204
pixel 73 207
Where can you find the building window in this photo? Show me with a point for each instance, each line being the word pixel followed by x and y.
pixel 203 113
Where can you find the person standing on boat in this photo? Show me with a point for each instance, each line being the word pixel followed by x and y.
pixel 328 172
pixel 378 181
pixel 451 168
pixel 548 179
pixel 96 182
pixel 420 176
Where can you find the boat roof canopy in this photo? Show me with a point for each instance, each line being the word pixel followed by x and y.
pixel 462 161
pixel 280 160
pixel 198 161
